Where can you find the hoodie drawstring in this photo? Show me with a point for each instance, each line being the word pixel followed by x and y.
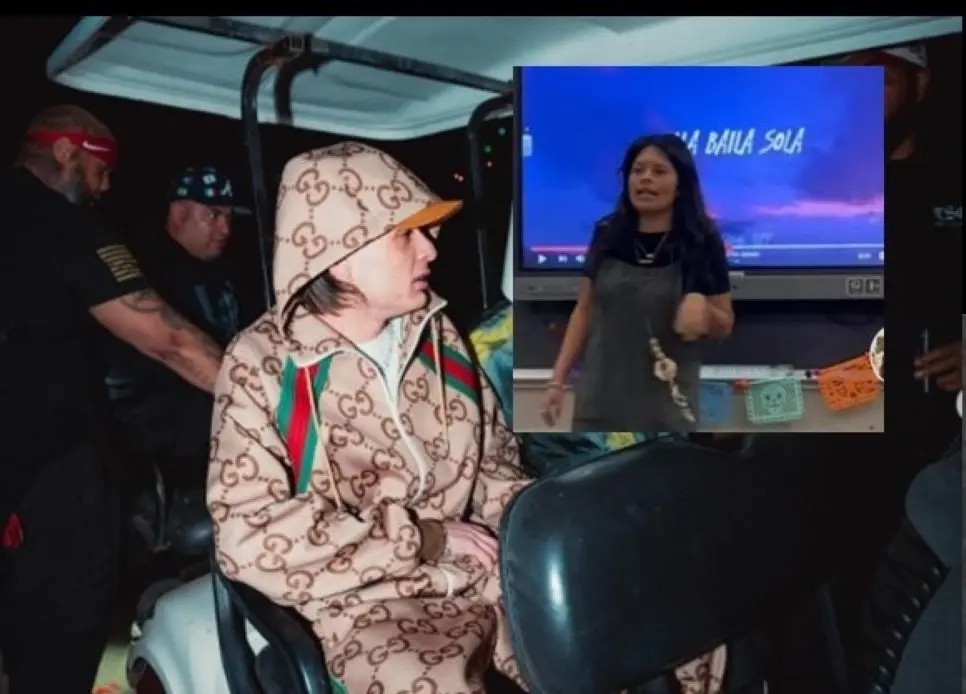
pixel 320 451
pixel 440 381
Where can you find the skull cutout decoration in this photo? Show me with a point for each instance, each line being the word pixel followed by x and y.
pixel 773 398
pixel 877 354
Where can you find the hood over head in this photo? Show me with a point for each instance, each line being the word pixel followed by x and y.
pixel 335 200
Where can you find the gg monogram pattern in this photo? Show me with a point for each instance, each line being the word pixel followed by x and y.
pixel 704 675
pixel 332 202
pixel 338 541
pixel 343 548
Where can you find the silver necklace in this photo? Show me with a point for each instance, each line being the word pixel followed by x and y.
pixel 644 258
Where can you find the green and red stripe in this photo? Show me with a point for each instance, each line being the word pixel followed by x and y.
pixel 294 417
pixel 459 372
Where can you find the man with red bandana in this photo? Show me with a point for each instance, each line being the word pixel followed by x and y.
pixel 63 276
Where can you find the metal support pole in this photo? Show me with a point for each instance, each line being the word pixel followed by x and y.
pixel 284 47
pixel 324 50
pixel 479 116
pixel 275 55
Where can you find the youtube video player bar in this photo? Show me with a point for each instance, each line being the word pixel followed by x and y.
pixel 553 260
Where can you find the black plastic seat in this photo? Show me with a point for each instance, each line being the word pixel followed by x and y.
pixel 912 622
pixel 616 572
pixel 170 518
pixel 291 663
pixel 188 524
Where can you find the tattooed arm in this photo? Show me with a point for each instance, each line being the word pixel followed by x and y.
pixel 146 322
pixel 101 272
pixel 291 547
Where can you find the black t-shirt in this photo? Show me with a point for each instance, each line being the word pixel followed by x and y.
pixel 201 292
pixel 58 260
pixel 704 274
pixel 924 257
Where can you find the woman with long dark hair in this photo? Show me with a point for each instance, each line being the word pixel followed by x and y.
pixel 655 283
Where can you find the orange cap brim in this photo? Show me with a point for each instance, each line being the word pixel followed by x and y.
pixel 430 216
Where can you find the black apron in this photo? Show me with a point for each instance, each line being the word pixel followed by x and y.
pixel 617 389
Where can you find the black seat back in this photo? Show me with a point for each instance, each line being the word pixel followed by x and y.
pixel 294 662
pixel 618 571
pixel 188 527
pixel 237 658
pixel 913 620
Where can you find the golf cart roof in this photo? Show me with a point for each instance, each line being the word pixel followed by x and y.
pixel 197 63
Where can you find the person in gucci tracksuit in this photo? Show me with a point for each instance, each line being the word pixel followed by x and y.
pixel 360 461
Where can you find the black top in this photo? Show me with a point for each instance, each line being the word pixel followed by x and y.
pixel 201 292
pixel 58 261
pixel 923 287
pixel 705 274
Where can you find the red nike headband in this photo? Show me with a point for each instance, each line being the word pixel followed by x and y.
pixel 104 148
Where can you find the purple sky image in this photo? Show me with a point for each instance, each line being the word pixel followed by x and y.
pixel 826 189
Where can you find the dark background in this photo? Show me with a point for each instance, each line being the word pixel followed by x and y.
pixel 943 106
pixel 149 158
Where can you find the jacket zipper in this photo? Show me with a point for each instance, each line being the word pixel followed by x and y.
pixel 422 466
pixel 403 365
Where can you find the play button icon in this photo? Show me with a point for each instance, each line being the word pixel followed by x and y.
pixel 541 259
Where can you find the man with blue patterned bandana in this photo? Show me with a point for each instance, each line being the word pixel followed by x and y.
pixel 161 417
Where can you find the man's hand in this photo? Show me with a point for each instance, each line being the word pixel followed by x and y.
pixel 692 319
pixel 433 536
pixel 944 365
pixel 467 539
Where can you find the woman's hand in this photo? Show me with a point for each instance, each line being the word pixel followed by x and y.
pixel 692 320
pixel 552 404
